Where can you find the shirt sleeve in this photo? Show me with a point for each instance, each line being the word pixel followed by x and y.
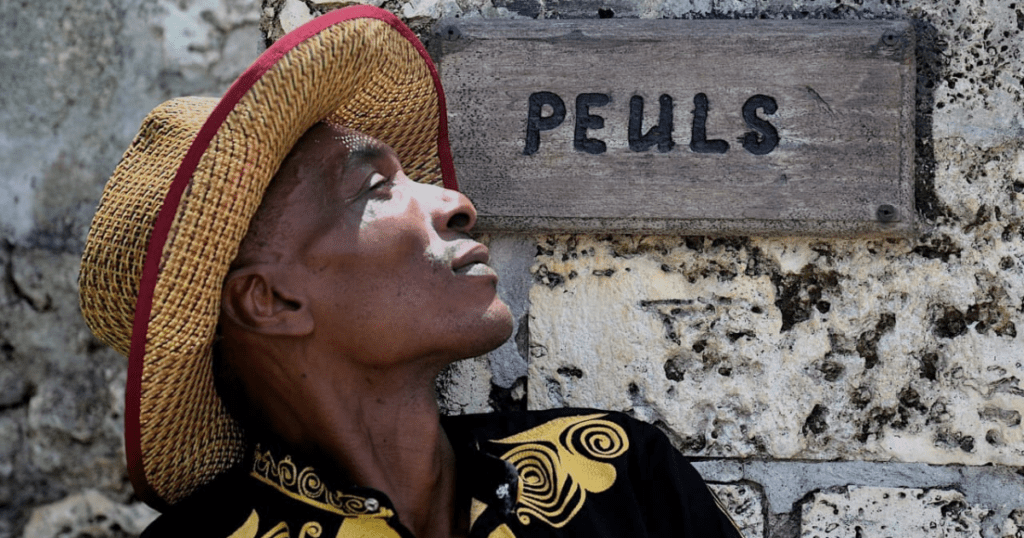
pixel 677 501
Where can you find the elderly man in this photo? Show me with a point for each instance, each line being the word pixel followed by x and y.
pixel 287 280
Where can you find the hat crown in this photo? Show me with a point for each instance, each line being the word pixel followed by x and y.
pixel 121 228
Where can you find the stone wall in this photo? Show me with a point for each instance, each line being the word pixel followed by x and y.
pixel 825 387
pixel 78 77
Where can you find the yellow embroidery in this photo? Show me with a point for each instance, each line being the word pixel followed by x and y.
pixel 557 464
pixel 312 529
pixel 249 528
pixel 306 486
pixel 366 528
pixel 501 532
pixel 476 508
pixel 279 531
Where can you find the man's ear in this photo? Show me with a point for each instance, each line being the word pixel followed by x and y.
pixel 253 299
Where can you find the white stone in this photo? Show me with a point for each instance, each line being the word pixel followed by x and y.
pixel 334 4
pixel 192 34
pixel 694 342
pixel 88 513
pixel 294 13
pixel 464 387
pixel 1013 526
pixel 744 504
pixel 430 9
pixel 856 511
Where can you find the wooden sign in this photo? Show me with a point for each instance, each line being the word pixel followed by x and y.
pixel 704 127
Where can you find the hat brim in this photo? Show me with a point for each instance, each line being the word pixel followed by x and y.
pixel 178 435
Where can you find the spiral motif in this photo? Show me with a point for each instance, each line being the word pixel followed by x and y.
pixel 557 466
pixel 309 484
pixel 335 498
pixel 538 471
pixel 261 463
pixel 286 472
pixel 600 439
pixel 311 529
pixel 354 505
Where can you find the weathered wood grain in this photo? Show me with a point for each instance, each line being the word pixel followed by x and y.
pixel 844 92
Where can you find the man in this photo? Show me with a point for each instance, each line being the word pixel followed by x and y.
pixel 271 244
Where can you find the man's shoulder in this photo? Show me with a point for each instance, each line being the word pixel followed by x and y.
pixel 509 424
pixel 586 464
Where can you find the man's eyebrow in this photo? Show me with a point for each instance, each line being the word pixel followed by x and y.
pixel 366 152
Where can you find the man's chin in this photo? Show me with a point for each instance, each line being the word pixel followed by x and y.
pixel 494 329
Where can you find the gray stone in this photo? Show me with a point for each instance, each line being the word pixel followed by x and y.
pixel 73 406
pixel 13 387
pixel 10 445
pixel 513 256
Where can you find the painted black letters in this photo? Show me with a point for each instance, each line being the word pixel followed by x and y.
pixel 768 139
pixel 584 121
pixel 699 142
pixel 660 134
pixel 761 139
pixel 535 123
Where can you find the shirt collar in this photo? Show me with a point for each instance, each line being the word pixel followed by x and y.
pixel 481 476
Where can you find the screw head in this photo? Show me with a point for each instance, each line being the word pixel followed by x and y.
pixel 451 32
pixel 887 213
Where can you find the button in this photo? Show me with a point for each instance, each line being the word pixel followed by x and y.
pixel 371 504
pixel 502 492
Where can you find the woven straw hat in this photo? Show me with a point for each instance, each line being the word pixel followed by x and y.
pixel 179 203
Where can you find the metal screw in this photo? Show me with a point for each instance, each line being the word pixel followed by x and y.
pixel 371 504
pixel 451 33
pixel 887 213
pixel 890 39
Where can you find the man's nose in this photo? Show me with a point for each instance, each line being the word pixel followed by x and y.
pixel 453 211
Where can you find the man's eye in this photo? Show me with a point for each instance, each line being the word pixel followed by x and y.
pixel 377 180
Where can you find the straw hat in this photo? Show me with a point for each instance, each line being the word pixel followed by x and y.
pixel 179 203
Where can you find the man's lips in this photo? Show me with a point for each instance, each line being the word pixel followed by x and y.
pixel 473 262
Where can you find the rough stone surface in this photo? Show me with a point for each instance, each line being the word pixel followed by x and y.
pixel 89 513
pixel 787 484
pixel 78 79
pixel 889 512
pixel 744 504
pixel 463 387
pixel 294 13
pixel 709 336
pixel 1013 527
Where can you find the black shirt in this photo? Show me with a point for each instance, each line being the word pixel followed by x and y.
pixel 556 473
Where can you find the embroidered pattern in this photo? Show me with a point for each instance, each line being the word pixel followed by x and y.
pixel 306 486
pixel 558 465
pixel 311 529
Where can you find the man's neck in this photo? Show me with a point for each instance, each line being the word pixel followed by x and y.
pixel 379 428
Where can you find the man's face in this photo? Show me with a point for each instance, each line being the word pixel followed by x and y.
pixel 386 264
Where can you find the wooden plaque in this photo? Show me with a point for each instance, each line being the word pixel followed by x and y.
pixel 704 127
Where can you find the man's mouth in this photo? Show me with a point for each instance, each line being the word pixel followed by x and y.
pixel 475 269
pixel 473 262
